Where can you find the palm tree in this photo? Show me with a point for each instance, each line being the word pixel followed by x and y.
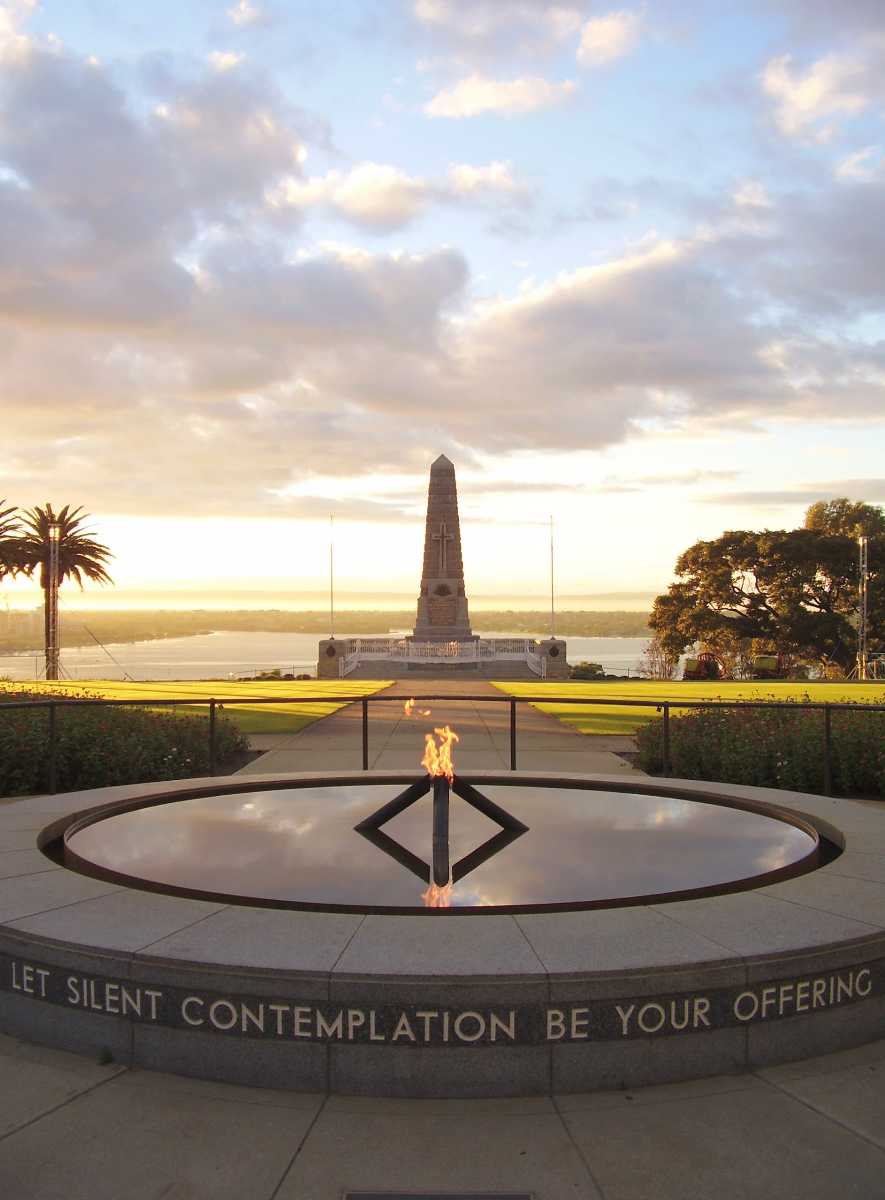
pixel 10 543
pixel 78 555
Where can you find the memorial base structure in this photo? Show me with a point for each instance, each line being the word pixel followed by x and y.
pixel 443 1004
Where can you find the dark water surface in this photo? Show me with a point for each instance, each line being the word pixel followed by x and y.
pixel 300 845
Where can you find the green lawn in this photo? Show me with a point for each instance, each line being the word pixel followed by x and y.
pixel 250 718
pixel 610 718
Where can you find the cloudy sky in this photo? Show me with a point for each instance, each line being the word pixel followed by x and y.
pixel 263 261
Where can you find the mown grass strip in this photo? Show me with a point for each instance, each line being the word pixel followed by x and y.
pixel 249 718
pixel 605 718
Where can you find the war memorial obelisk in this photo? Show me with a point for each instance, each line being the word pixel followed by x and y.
pixel 442 603
pixel 442 642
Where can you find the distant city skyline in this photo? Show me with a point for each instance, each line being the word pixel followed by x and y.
pixel 261 262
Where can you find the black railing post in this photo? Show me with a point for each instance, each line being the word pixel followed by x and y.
pixel 828 751
pixel 365 733
pixel 212 737
pixel 512 734
pixel 666 749
pixel 53 749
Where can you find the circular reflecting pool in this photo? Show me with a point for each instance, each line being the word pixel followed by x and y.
pixel 298 847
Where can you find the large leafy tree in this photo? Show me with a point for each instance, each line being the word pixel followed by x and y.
pixel 79 555
pixel 845 517
pixel 790 591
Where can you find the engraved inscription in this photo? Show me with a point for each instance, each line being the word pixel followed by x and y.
pixel 282 1017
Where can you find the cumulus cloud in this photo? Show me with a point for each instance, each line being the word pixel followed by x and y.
pixel 812 19
pixel 373 195
pixel 485 26
pixel 155 306
pixel 861 165
pixel 103 180
pixel 225 60
pixel 821 256
pixel 477 94
pixel 243 13
pixel 468 180
pixel 246 375
pixel 13 16
pixel 607 38
pixel 870 490
pixel 614 349
pixel 833 86
pixel 752 193
pixel 672 479
pixel 381 198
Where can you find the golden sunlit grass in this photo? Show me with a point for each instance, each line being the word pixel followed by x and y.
pixel 250 718
pixel 604 718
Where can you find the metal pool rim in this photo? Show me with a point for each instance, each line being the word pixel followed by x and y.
pixel 54 840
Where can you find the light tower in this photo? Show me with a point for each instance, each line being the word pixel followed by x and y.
pixel 863 604
pixel 54 534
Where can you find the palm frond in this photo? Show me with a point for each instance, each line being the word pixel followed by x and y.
pixel 10 541
pixel 79 554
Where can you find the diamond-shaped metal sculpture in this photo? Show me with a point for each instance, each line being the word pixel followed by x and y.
pixel 441 872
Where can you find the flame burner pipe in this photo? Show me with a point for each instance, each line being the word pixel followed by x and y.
pixel 441 870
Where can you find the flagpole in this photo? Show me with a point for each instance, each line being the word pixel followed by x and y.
pixel 331 575
pixel 552 607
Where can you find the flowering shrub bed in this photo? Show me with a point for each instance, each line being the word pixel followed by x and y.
pixel 779 747
pixel 96 747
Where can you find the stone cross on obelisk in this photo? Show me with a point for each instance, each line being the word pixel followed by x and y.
pixel 442 604
pixel 442 537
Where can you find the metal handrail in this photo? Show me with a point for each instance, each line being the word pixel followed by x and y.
pixel 215 702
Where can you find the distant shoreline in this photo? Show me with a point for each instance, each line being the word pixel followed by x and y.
pixel 124 627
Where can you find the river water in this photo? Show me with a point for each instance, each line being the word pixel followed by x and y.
pixel 225 654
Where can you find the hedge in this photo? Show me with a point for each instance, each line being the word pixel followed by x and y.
pixel 780 747
pixel 98 746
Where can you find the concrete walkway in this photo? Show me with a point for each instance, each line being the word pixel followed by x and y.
pixel 396 742
pixel 71 1129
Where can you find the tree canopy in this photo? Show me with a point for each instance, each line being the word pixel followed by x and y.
pixel 845 517
pixel 792 592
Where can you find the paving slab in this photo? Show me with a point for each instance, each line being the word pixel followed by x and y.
pixel 829 892
pixel 23 862
pixel 247 937
pixel 622 939
pixel 750 923
pixel 741 1143
pixel 848 1087
pixel 626 1098
pixel 120 1140
pixel 452 1147
pixel 37 1079
pixel 21 839
pixel 425 949
pixel 860 866
pixel 22 896
pixel 124 920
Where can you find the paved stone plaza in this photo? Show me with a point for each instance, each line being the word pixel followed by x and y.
pixel 71 1127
